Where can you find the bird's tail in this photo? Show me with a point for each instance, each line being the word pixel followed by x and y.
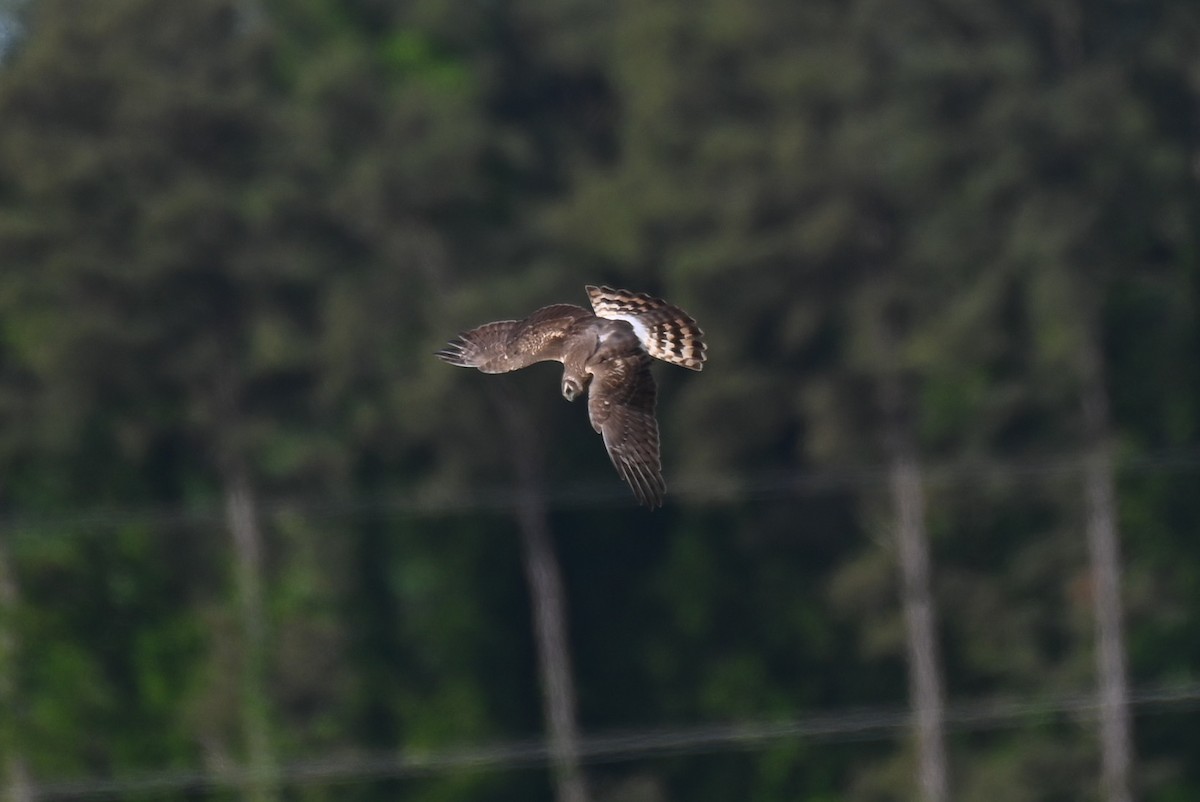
pixel 482 347
pixel 666 331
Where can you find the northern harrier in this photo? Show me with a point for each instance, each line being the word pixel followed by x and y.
pixel 607 352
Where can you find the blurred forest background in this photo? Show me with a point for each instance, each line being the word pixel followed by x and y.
pixel 931 530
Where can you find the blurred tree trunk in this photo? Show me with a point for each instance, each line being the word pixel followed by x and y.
pixel 1100 496
pixel 548 600
pixel 926 692
pixel 242 518
pixel 1104 552
pixel 16 786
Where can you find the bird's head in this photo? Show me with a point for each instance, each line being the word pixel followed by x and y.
pixel 572 387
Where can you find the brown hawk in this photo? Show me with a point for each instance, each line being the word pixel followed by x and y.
pixel 607 352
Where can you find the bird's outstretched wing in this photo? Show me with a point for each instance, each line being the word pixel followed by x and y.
pixel 621 403
pixel 511 344
pixel 665 331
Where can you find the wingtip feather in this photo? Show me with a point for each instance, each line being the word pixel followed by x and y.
pixel 453 353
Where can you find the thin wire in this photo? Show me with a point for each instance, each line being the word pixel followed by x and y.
pixel 862 724
pixel 714 488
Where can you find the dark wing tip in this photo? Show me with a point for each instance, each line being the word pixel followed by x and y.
pixel 453 353
pixel 646 483
pixel 649 497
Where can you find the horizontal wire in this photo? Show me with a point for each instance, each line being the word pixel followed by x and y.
pixel 847 726
pixel 850 725
pixel 713 488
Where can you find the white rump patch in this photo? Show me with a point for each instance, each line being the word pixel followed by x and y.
pixel 639 328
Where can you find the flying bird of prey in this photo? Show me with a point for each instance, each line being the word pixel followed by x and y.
pixel 607 352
